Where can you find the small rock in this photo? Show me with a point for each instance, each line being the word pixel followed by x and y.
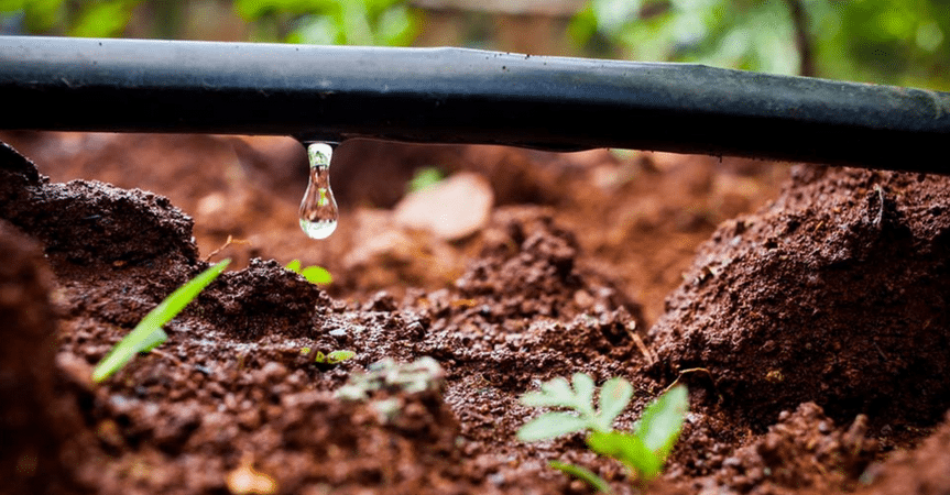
pixel 452 209
pixel 245 480
pixel 273 371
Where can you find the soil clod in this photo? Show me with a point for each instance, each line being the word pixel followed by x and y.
pixel 835 293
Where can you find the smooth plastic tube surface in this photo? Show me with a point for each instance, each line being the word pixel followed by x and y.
pixel 450 95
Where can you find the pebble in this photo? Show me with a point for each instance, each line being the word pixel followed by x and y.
pixel 453 209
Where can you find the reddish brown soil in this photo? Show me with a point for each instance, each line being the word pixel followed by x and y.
pixel 835 293
pixel 813 334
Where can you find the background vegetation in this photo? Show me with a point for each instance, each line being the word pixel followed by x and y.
pixel 889 41
pixel 905 42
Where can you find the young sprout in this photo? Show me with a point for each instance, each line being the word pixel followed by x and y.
pixel 317 275
pixel 425 178
pixel 422 375
pixel 148 334
pixel 614 397
pixel 643 451
pixel 334 357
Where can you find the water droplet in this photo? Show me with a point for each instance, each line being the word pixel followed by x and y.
pixel 318 211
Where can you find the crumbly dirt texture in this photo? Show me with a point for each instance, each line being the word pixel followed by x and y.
pixel 805 308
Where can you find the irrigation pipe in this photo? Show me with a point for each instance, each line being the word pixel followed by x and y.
pixel 451 95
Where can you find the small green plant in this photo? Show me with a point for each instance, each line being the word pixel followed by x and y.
pixel 423 374
pixel 392 379
pixel 333 357
pixel 148 334
pixel 643 451
pixel 425 178
pixel 314 274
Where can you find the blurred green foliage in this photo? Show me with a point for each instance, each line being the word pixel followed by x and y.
pixel 903 42
pixel 96 18
pixel 354 22
pixel 326 22
pixel 424 178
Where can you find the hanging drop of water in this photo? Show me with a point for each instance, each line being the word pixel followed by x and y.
pixel 318 211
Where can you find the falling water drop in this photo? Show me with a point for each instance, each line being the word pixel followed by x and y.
pixel 318 211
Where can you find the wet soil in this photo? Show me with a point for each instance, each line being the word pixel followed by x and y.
pixel 805 307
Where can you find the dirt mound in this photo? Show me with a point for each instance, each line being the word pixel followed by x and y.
pixel 264 298
pixel 91 223
pixel 802 451
pixel 94 233
pixel 530 265
pixel 835 293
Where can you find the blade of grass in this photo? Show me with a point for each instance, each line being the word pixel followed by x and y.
pixel 148 333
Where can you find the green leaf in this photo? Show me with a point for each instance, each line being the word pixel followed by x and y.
pixel 339 356
pixel 583 474
pixel 251 10
pixel 554 393
pixel 145 335
pixel 314 274
pixel 628 449
pixel 154 340
pixel 39 15
pixel 614 397
pixel 551 425
pixel 294 266
pixel 317 275
pixel 320 357
pixel 397 26
pixel 583 393
pixel 425 178
pixel 10 5
pixel 103 19
pixel 583 26
pixel 662 421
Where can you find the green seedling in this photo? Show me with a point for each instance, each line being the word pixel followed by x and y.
pixel 425 178
pixel 614 397
pixel 643 451
pixel 317 275
pixel 423 374
pixel 420 376
pixel 333 357
pixel 148 334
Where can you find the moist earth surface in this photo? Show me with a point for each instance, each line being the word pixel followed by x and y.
pixel 804 307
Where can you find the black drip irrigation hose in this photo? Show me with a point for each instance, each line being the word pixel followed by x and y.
pixel 451 95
